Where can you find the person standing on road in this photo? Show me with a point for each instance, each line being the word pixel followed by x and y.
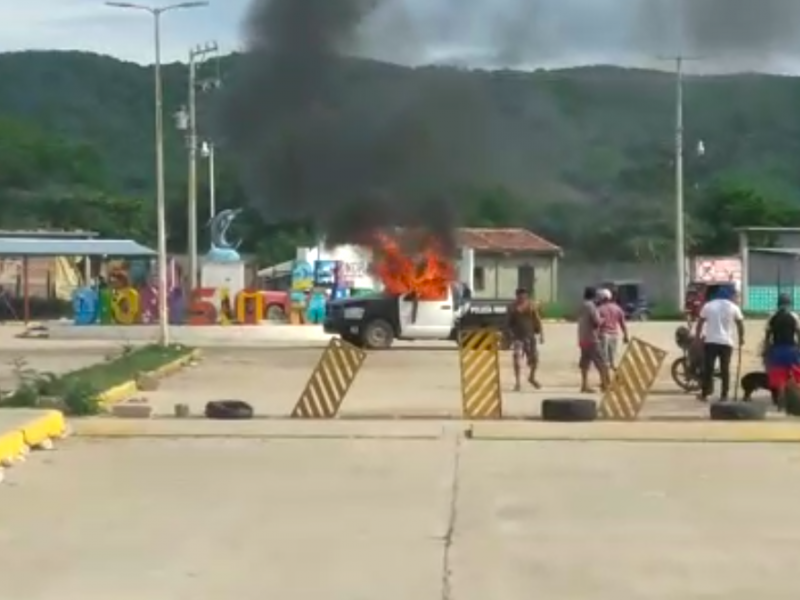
pixel 524 327
pixel 719 318
pixel 782 347
pixel 589 341
pixel 612 326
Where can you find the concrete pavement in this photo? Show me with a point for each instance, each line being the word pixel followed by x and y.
pixel 428 519
pixel 412 379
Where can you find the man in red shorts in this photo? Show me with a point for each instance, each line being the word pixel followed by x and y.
pixel 781 355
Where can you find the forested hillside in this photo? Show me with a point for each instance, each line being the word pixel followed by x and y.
pixel 588 159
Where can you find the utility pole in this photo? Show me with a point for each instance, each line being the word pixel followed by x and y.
pixel 161 219
pixel 212 181
pixel 680 220
pixel 196 56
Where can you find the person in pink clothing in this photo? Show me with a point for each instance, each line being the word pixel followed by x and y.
pixel 612 327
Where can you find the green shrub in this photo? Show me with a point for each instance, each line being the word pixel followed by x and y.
pixel 78 392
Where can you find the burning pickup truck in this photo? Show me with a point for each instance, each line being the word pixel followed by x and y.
pixel 375 322
pixel 421 301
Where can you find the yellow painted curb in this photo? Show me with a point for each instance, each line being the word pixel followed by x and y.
pixel 50 424
pixel 118 393
pixel 34 433
pixel 703 431
pixel 12 444
pixel 128 389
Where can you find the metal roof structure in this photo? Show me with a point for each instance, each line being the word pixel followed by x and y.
pixel 48 234
pixel 768 229
pixel 31 246
pixel 781 251
pixel 505 240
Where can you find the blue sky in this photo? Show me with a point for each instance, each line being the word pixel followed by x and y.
pixel 521 33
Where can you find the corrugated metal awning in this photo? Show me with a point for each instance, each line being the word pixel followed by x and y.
pixel 21 247
pixel 782 251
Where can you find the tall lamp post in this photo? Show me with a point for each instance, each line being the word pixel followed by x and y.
pixel 680 220
pixel 161 216
pixel 197 55
pixel 207 150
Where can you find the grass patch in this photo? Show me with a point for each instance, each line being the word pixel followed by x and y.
pixel 77 392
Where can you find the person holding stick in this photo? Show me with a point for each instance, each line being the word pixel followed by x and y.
pixel 718 320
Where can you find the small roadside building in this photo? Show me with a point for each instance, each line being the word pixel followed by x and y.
pixel 496 262
pixel 770 258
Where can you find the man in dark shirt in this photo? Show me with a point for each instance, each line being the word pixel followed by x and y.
pixel 524 326
pixel 781 355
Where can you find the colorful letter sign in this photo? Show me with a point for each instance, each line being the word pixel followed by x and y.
pixel 204 306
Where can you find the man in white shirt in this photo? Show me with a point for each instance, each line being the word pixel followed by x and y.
pixel 719 317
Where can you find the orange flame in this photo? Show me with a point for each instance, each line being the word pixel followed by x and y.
pixel 429 276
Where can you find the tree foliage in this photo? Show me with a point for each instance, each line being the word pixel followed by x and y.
pixel 590 160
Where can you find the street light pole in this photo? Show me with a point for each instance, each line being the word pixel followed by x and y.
pixel 195 55
pixel 161 212
pixel 191 140
pixel 212 181
pixel 680 218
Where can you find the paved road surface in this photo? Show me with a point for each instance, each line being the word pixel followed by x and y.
pixel 166 519
pixel 412 379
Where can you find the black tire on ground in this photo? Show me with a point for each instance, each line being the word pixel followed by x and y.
pixel 377 335
pixel 738 411
pixel 680 375
pixel 228 410
pixel 569 410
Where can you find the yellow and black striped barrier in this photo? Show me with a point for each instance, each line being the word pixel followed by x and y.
pixel 478 354
pixel 636 374
pixel 330 381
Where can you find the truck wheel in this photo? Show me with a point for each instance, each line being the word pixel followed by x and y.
pixel 377 335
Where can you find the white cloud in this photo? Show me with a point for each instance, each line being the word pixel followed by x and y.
pixel 92 26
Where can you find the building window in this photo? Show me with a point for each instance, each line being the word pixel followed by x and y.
pixel 479 278
pixel 526 278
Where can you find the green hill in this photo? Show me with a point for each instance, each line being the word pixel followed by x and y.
pixel 600 138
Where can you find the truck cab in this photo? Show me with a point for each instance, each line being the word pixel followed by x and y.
pixel 376 321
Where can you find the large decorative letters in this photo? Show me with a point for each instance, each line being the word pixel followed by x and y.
pixel 203 306
pixel 253 300
pixel 201 311
pixel 125 306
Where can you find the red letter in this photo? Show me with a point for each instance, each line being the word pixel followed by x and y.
pixel 201 310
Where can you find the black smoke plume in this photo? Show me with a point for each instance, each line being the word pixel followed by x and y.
pixel 312 143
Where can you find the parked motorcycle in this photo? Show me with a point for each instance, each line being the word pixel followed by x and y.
pixel 687 370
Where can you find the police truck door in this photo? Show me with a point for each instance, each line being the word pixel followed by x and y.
pixel 426 319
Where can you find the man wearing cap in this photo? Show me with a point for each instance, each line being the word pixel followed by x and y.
pixel 524 327
pixel 612 327
pixel 719 318
pixel 781 355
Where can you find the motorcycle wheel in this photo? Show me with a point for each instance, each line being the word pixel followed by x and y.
pixel 681 376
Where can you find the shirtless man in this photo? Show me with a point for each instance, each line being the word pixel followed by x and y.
pixel 589 341
pixel 524 327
